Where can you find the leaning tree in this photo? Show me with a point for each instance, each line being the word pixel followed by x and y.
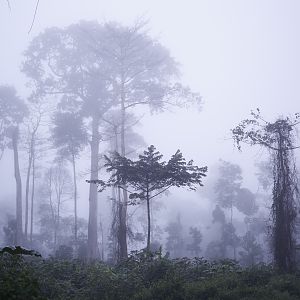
pixel 279 138
pixel 149 176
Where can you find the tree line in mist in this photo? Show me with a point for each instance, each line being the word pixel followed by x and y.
pixel 88 84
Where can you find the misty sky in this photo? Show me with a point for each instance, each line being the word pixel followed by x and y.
pixel 238 55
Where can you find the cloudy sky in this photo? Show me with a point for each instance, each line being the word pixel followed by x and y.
pixel 238 54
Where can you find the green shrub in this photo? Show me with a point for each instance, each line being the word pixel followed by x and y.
pixel 142 276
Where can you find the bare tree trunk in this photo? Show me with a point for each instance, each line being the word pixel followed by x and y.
pixel 32 196
pixel 233 246
pixel 102 239
pixel 123 207
pixel 19 230
pixel 52 208
pixel 116 208
pixel 149 221
pixel 31 165
pixel 75 202
pixel 152 220
pixel 93 194
pixel 27 193
pixel 58 221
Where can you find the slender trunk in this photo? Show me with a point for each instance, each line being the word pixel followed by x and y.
pixel 149 221
pixel 32 196
pixel 27 192
pixel 234 252
pixel 19 230
pixel 58 221
pixel 152 221
pixel 123 208
pixel 114 231
pixel 102 240
pixel 52 208
pixel 75 201
pixel 93 193
pixel 233 246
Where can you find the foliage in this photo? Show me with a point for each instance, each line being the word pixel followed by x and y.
pixel 265 174
pixel 218 215
pixel 69 135
pixel 215 250
pixel 150 175
pixel 230 238
pixel 12 112
pixel 246 202
pixel 278 137
pixel 196 239
pixel 257 131
pixel 18 279
pixel 10 231
pixel 142 276
pixel 228 184
pixel 252 252
pixel 64 252
pixel 18 250
pixel 229 192
pixel 175 243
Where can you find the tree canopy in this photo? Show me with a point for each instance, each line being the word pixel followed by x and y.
pixel 149 176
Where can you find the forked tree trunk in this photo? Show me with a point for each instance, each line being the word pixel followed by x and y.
pixel 19 230
pixel 92 252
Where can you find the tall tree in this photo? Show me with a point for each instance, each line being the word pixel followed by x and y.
pixel 228 185
pixel 278 137
pixel 69 137
pixel 55 191
pixel 111 131
pixel 227 189
pixel 175 242
pixel 142 73
pixel 32 123
pixel 196 239
pixel 149 176
pixel 60 63
pixel 12 112
pixel 251 252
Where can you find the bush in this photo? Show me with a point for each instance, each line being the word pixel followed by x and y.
pixel 142 276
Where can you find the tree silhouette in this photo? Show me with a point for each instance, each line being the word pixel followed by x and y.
pixel 69 137
pixel 149 176
pixel 278 137
pixel 12 112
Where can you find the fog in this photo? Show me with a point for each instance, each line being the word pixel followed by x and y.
pixel 238 55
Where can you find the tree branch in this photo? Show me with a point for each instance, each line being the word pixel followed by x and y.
pixel 33 20
pixel 160 192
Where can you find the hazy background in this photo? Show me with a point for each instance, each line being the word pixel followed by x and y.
pixel 238 55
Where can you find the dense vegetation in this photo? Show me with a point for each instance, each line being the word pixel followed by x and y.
pixel 141 276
